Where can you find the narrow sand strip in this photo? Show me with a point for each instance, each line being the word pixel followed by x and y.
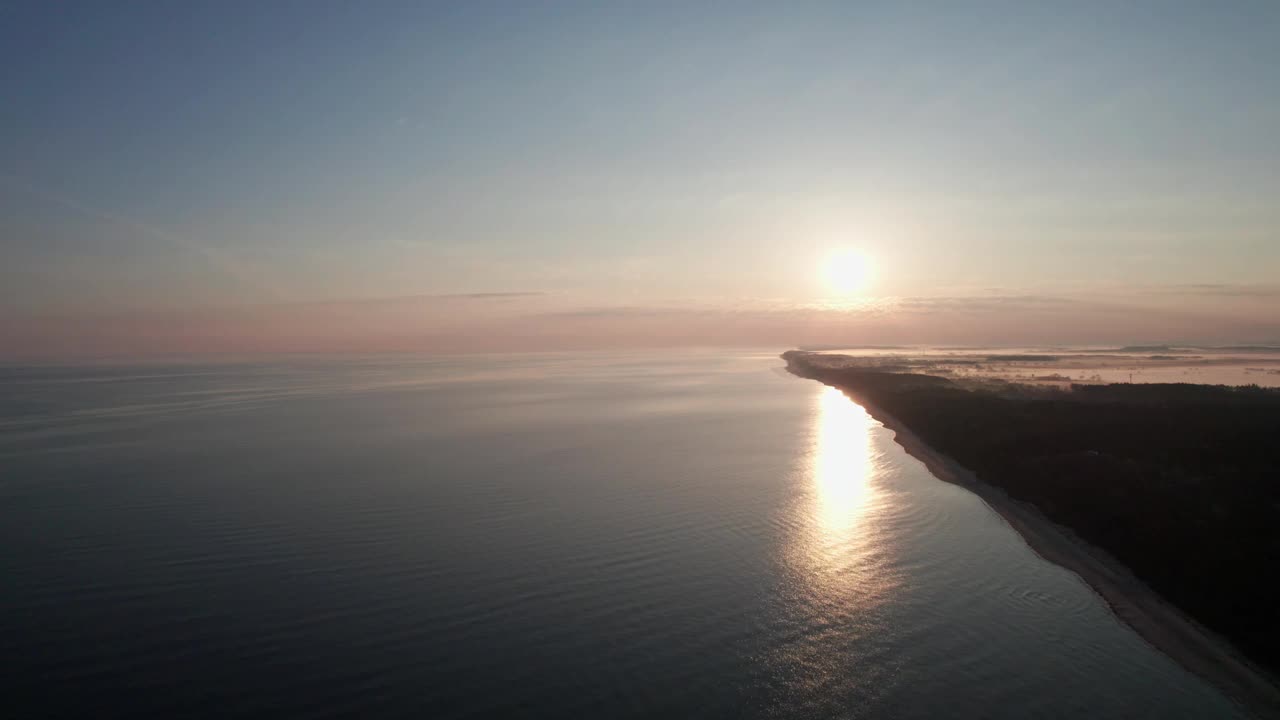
pixel 1156 620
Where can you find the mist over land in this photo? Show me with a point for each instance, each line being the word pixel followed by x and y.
pixel 1063 367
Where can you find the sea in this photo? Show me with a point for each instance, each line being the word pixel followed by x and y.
pixel 675 534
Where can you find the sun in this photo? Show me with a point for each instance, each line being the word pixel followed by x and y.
pixel 847 272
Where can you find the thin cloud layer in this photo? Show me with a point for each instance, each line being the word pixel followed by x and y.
pixel 533 321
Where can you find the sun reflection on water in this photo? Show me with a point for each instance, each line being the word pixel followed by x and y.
pixel 842 465
pixel 838 548
pixel 840 557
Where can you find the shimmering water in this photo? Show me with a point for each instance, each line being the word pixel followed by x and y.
pixel 656 535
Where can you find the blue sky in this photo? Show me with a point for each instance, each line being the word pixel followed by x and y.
pixel 158 155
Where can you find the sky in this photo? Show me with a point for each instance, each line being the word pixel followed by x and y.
pixel 485 176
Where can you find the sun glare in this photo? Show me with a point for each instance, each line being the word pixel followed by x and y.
pixel 847 272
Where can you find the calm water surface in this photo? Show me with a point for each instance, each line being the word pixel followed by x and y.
pixel 641 535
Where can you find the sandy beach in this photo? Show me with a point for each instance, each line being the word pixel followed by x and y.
pixel 1155 620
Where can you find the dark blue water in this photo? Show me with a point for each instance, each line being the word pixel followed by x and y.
pixel 650 535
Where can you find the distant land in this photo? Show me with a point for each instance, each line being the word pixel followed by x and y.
pixel 1170 487
pixel 1063 367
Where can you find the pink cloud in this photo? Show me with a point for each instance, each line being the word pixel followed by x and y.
pixel 496 322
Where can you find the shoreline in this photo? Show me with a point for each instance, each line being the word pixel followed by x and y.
pixel 1158 622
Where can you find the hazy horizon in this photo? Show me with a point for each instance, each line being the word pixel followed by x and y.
pixel 535 322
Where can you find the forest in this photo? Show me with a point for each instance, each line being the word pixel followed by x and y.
pixel 1177 481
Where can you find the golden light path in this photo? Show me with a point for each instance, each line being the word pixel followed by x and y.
pixel 841 560
pixel 837 548
pixel 842 465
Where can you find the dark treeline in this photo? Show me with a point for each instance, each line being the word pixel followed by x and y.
pixel 1179 482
